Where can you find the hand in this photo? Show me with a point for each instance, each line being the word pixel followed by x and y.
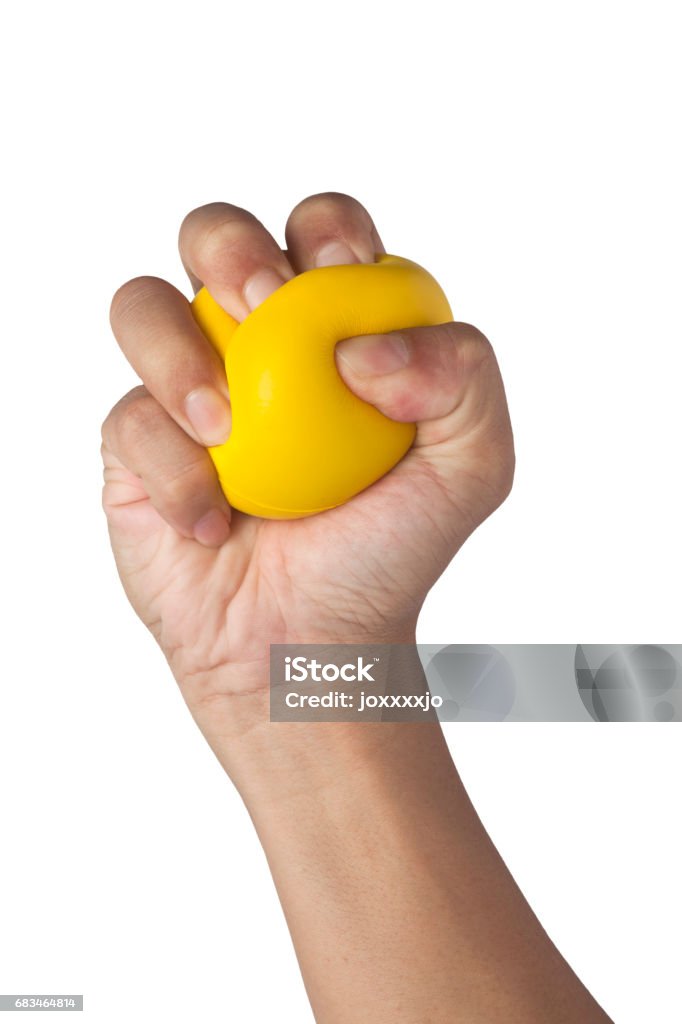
pixel 336 806
pixel 216 587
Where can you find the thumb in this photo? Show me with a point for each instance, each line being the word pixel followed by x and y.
pixel 446 379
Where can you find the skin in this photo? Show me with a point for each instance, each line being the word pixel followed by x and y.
pixel 399 906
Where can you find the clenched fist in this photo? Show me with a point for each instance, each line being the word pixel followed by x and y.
pixel 216 587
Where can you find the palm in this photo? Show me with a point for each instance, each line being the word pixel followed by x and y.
pixel 352 573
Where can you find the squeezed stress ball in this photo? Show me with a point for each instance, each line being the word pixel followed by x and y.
pixel 301 441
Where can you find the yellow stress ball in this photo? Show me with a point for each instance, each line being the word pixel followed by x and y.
pixel 301 441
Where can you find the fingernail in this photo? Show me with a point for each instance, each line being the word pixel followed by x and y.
pixel 210 416
pixel 212 529
pixel 371 355
pixel 334 254
pixel 263 283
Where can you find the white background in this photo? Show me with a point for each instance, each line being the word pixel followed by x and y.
pixel 528 155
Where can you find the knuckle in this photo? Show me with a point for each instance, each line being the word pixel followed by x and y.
pixel 328 207
pixel 132 296
pixel 233 249
pixel 223 240
pixel 107 433
pixel 213 231
pixel 132 419
pixel 464 351
pixel 110 427
pixel 203 218
pixel 473 344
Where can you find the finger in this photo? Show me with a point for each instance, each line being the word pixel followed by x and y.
pixel 446 380
pixel 229 251
pixel 153 323
pixel 175 473
pixel 330 229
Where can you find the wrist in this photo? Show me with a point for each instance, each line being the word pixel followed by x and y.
pixel 249 673
pixel 289 767
pixel 277 757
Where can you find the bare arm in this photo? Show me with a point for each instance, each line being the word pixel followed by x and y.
pixel 399 906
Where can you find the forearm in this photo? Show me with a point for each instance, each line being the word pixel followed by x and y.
pixel 399 906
